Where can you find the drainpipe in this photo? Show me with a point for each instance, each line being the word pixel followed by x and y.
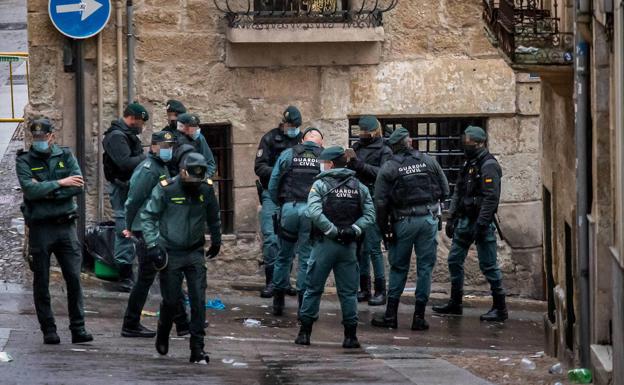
pixel 119 23
pixel 100 117
pixel 130 46
pixel 582 125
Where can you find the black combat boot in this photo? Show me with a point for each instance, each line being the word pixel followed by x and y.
pixel 389 319
pixel 267 292
pixel 278 302
pixel 162 338
pixel 51 338
pixel 350 337
pixel 498 313
pixel 454 305
pixel 419 322
pixel 379 299
pixel 137 331
pixel 365 289
pixel 125 278
pixel 80 336
pixel 199 356
pixel 291 291
pixel 305 331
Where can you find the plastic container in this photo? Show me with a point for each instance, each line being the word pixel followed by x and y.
pixel 104 271
pixel 527 364
pixel 580 376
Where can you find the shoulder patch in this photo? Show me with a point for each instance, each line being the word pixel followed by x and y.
pixel 147 165
pixel 164 183
pixel 209 182
pixel 260 152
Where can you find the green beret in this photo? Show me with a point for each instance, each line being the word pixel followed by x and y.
pixel 189 119
pixel 41 127
pixel 305 132
pixel 369 123
pixel 163 136
pixel 331 153
pixel 136 110
pixel 398 135
pixel 195 164
pixel 175 106
pixel 476 133
pixel 292 115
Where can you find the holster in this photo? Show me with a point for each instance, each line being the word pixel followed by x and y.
pixel 260 190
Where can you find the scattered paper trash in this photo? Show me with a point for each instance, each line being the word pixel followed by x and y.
pixel 215 304
pixel 538 355
pixel 78 350
pixel 239 365
pixel 177 338
pixel 91 312
pixel 527 364
pixel 146 313
pixel 556 369
pixel 5 357
pixel 236 309
pixel 401 338
pixel 228 361
pixel 506 359
pixel 331 314
pixel 265 306
pixel 371 348
pixel 252 323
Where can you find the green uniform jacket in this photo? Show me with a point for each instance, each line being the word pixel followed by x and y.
pixel 315 203
pixel 38 175
pixel 145 177
pixel 177 220
pixel 281 166
pixel 201 146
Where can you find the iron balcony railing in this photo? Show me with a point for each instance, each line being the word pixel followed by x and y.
pixel 528 32
pixel 265 14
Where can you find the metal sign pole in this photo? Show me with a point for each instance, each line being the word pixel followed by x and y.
pixel 80 135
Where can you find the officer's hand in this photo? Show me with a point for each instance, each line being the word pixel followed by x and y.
pixel 480 232
pixel 158 256
pixel 127 233
pixel 72 181
pixel 449 229
pixel 350 153
pixel 213 250
pixel 346 235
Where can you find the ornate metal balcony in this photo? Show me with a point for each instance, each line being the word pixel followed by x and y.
pixel 304 14
pixel 528 33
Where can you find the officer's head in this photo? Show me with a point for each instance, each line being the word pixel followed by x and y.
pixel 162 145
pixel 314 135
pixel 291 121
pixel 135 116
pixel 189 125
pixel 42 132
pixel 333 157
pixel 400 140
pixel 370 128
pixel 473 140
pixel 193 170
pixel 174 108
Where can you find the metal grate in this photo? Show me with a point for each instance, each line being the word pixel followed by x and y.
pixel 438 137
pixel 219 138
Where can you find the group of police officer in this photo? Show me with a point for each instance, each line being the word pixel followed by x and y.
pixel 331 207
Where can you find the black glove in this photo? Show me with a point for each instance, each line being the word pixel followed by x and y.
pixel 450 228
pixel 158 256
pixel 346 235
pixel 480 232
pixel 213 250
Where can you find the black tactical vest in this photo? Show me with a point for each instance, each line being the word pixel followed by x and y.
pixel 342 204
pixel 470 185
pixel 416 185
pixel 298 180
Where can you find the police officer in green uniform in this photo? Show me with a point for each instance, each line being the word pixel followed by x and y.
pixel 407 194
pixel 369 153
pixel 289 186
pixel 144 179
pixel 174 108
pixel 272 144
pixel 50 177
pixel 190 133
pixel 340 208
pixel 122 154
pixel 473 206
pixel 174 223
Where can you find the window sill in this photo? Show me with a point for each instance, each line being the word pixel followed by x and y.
pixel 284 34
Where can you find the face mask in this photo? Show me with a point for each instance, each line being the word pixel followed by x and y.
pixel 292 132
pixel 470 150
pixel 195 135
pixel 41 145
pixel 324 167
pixel 366 140
pixel 165 154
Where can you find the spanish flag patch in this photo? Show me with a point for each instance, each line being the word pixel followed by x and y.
pixel 488 180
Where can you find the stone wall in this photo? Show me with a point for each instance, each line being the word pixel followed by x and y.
pixel 435 61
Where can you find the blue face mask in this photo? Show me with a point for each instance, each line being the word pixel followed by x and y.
pixel 40 145
pixel 165 154
pixel 196 134
pixel 292 132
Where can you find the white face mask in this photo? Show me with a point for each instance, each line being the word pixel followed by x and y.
pixel 180 126
pixel 322 167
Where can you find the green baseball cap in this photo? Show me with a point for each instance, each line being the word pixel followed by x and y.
pixel 189 119
pixel 41 127
pixel 331 153
pixel 398 135
pixel 292 115
pixel 137 110
pixel 195 165
pixel 163 137
pixel 175 106
pixel 476 133
pixel 369 123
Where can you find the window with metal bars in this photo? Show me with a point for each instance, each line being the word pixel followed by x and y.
pixel 219 138
pixel 438 137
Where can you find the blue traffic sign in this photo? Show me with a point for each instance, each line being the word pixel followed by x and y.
pixel 79 19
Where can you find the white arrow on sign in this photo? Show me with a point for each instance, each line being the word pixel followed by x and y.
pixel 85 7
